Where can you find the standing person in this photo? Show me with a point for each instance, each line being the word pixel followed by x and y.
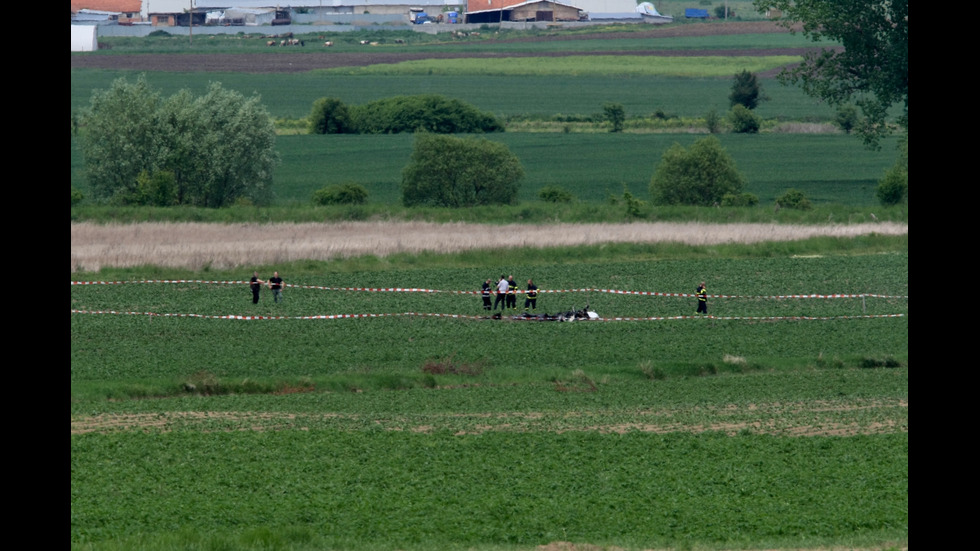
pixel 531 299
pixel 275 283
pixel 256 284
pixel 511 293
pixel 501 293
pixel 702 299
pixel 485 293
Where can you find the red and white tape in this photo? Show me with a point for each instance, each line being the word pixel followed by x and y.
pixel 517 291
pixel 472 317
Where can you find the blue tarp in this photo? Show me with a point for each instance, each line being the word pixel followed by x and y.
pixel 695 13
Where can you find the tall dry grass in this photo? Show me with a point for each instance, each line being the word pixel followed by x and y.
pixel 195 245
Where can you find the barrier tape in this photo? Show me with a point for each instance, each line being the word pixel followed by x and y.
pixel 472 317
pixel 517 291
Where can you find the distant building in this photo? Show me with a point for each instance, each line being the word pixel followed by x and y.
pixel 107 11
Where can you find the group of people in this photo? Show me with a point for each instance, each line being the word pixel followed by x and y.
pixel 274 283
pixel 506 289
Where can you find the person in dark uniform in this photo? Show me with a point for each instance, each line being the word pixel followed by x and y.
pixel 511 293
pixel 486 293
pixel 256 284
pixel 702 294
pixel 531 298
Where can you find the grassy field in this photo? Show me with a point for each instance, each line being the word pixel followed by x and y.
pixel 831 169
pixel 202 421
pixel 422 433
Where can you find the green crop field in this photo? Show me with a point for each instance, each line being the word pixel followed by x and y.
pixel 419 432
pixel 352 418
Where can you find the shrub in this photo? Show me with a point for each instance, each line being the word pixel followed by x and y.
pixel 342 194
pixel 793 199
pixel 746 91
pixel 555 194
pixel 428 112
pixel 739 200
pixel 616 116
pixel 893 189
pixel 634 206
pixel 330 116
pixel 743 121
pixel 713 122
pixel 460 172
pixel 699 175
pixel 76 196
pixel 847 117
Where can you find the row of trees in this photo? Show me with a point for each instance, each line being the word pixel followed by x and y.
pixel 205 151
pixel 419 113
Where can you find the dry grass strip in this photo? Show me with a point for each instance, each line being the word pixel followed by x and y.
pixel 221 246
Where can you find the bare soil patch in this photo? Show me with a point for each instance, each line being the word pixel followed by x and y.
pixel 276 61
pixel 222 246
pixel 791 420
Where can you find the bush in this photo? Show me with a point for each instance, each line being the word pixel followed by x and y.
pixel 739 200
pixel 743 121
pixel 555 194
pixel 330 116
pixel 893 189
pixel 699 175
pixel 616 116
pixel 793 199
pixel 713 122
pixel 342 194
pixel 428 113
pixel 76 196
pixel 746 91
pixel 218 147
pixel 847 118
pixel 460 172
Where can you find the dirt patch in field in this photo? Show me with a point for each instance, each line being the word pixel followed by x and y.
pixel 276 61
pixel 792 420
pixel 223 246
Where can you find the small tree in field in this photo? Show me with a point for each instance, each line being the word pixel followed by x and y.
pixel 746 91
pixel 699 175
pixel 616 116
pixel 447 171
pixel 330 116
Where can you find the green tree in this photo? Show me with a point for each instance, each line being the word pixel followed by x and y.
pixel 872 69
pixel 207 151
pixel 616 116
pixel 699 175
pixel 746 90
pixel 447 171
pixel 743 121
pixel 330 116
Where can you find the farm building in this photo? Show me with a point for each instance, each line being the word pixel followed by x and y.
pixel 533 10
pixel 309 11
pixel 492 11
pixel 107 11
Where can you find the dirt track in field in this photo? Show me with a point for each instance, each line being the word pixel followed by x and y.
pixel 314 57
pixel 785 419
